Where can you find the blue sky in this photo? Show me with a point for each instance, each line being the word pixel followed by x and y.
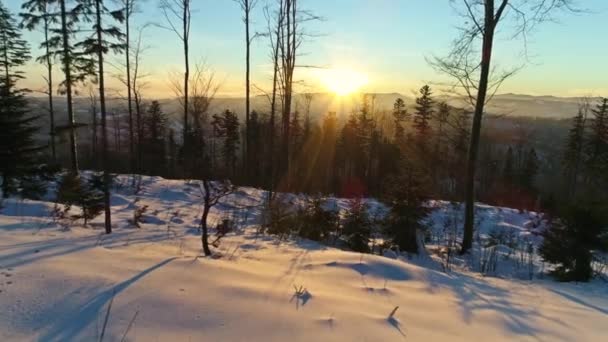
pixel 387 40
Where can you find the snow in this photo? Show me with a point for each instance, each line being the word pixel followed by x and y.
pixel 58 282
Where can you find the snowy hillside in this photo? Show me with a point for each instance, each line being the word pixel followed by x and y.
pixel 61 283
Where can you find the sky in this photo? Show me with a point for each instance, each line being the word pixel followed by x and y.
pixel 386 41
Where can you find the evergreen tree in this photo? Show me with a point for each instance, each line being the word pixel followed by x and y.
pixel 573 152
pixel 357 226
pixel 570 241
pixel 155 126
pixel 400 115
pixel 103 40
pixel 77 66
pixel 296 135
pixel 597 146
pixel 39 14
pixel 227 127
pixel 529 170
pixel 406 194
pixel 87 194
pixel 315 222
pixel 17 145
pixel 422 117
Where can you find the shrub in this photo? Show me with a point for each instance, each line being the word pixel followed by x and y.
pixel 85 194
pixel 406 196
pixel 569 242
pixel 315 222
pixel 357 226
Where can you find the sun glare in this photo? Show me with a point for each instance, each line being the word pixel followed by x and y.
pixel 343 82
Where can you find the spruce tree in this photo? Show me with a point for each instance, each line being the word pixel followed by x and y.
pixel 227 126
pixel 569 241
pixel 508 172
pixel 406 194
pixel 597 146
pixel 357 226
pixel 573 151
pixel 39 14
pixel 76 65
pixel 155 126
pixel 103 40
pixel 529 170
pixel 17 145
pixel 422 117
pixel 400 114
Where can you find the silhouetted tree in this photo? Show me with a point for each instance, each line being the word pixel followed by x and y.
pixel 357 226
pixel 17 144
pixel 573 152
pixel 38 13
pixel 471 68
pixel 103 40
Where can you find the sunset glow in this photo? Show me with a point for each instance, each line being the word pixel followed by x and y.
pixel 343 82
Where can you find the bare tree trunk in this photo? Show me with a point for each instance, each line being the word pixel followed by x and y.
pixel 486 57
pixel 104 133
pixel 206 209
pixel 273 102
pixel 49 80
pixel 248 157
pixel 186 33
pixel 128 9
pixel 68 80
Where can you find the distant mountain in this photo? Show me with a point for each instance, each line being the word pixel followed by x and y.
pixel 513 105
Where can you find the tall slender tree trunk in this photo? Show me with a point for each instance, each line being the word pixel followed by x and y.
pixel 49 67
pixel 273 106
pixel 486 57
pixel 128 5
pixel 68 80
pixel 104 130
pixel 206 209
pixel 248 156
pixel 186 28
pixel 140 131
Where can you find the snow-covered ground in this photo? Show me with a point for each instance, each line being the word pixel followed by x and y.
pixel 151 284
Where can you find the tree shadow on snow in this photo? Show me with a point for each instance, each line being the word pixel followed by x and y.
pixel 580 301
pixel 70 326
pixel 476 295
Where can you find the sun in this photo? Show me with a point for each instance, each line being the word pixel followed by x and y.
pixel 342 82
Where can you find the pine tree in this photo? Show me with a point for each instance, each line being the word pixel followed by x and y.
pixel 406 194
pixel 529 170
pixel 422 117
pixel 357 226
pixel 400 115
pixel 227 127
pixel 103 40
pixel 17 145
pixel 573 152
pixel 597 146
pixel 39 13
pixel 570 240
pixel 76 65
pixel 155 126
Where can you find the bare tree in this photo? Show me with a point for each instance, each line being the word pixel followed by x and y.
pixel 212 193
pixel 177 15
pixel 247 6
pixel 129 8
pixel 473 71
